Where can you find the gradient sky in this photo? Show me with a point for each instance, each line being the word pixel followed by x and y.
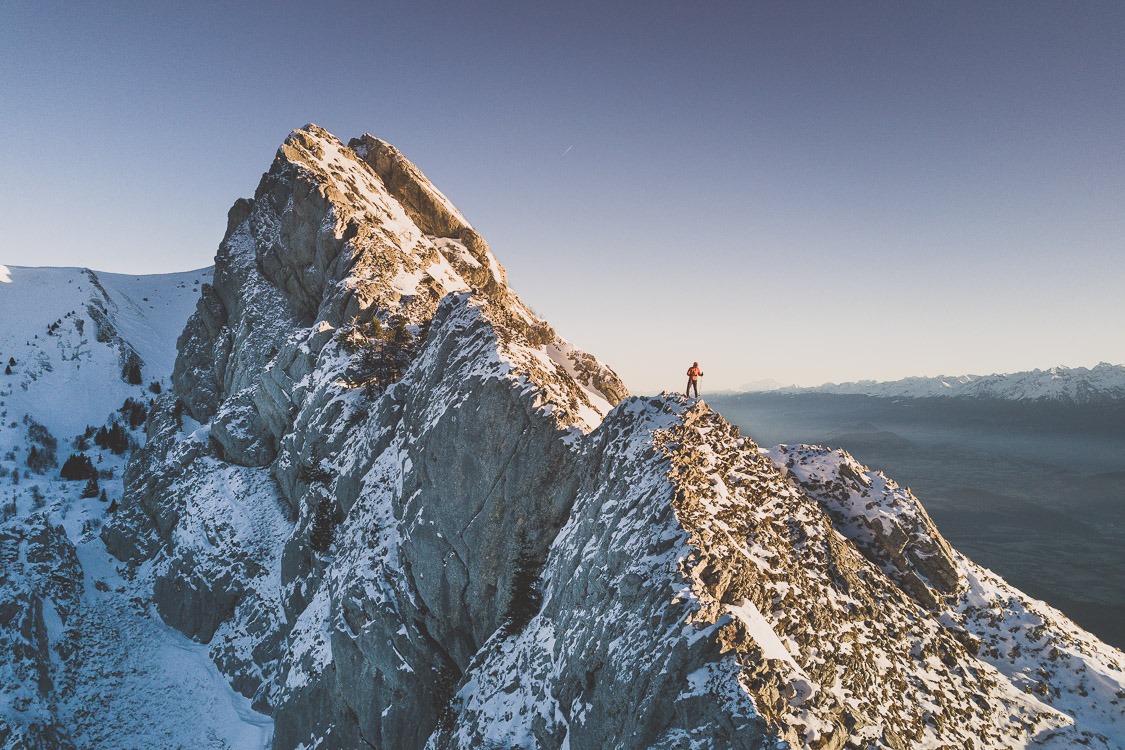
pixel 808 192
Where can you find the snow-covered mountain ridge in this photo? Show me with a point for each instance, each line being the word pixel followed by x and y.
pixel 1102 383
pixel 398 510
pixel 83 663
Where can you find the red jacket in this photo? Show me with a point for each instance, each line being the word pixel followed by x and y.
pixel 694 373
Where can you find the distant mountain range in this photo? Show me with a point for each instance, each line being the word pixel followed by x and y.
pixel 1076 385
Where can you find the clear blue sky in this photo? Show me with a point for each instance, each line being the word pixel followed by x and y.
pixel 802 191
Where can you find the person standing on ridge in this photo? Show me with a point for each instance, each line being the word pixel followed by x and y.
pixel 693 376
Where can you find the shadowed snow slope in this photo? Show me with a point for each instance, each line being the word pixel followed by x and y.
pixel 402 512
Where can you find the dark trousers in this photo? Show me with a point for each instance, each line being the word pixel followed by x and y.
pixel 692 384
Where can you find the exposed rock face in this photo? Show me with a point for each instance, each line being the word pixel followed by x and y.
pixel 430 211
pixel 1031 645
pixel 40 580
pixel 460 532
pixel 620 654
pixel 689 550
pixel 105 332
pixel 324 248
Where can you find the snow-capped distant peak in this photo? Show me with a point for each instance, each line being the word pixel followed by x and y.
pixel 1075 385
pixel 757 386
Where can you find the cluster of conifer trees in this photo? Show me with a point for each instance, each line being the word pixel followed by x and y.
pixel 78 466
pixel 43 444
pixel 132 373
pixel 385 352
pixel 115 439
pixel 134 411
pixel 322 532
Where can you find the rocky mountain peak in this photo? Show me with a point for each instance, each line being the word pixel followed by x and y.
pixel 407 225
pixel 402 512
pixel 349 239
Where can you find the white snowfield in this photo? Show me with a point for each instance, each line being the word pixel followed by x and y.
pixel 66 377
pixel 1103 382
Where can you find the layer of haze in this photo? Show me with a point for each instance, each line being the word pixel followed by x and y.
pixel 806 192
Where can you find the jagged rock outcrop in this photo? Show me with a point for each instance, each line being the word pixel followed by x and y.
pixel 405 513
pixel 695 568
pixel 430 211
pixel 887 523
pixel 1035 647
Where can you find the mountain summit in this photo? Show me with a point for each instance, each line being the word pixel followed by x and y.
pixel 402 512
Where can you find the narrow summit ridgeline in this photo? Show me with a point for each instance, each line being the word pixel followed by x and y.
pixel 403 512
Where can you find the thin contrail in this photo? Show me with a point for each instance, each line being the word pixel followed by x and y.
pixel 568 148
